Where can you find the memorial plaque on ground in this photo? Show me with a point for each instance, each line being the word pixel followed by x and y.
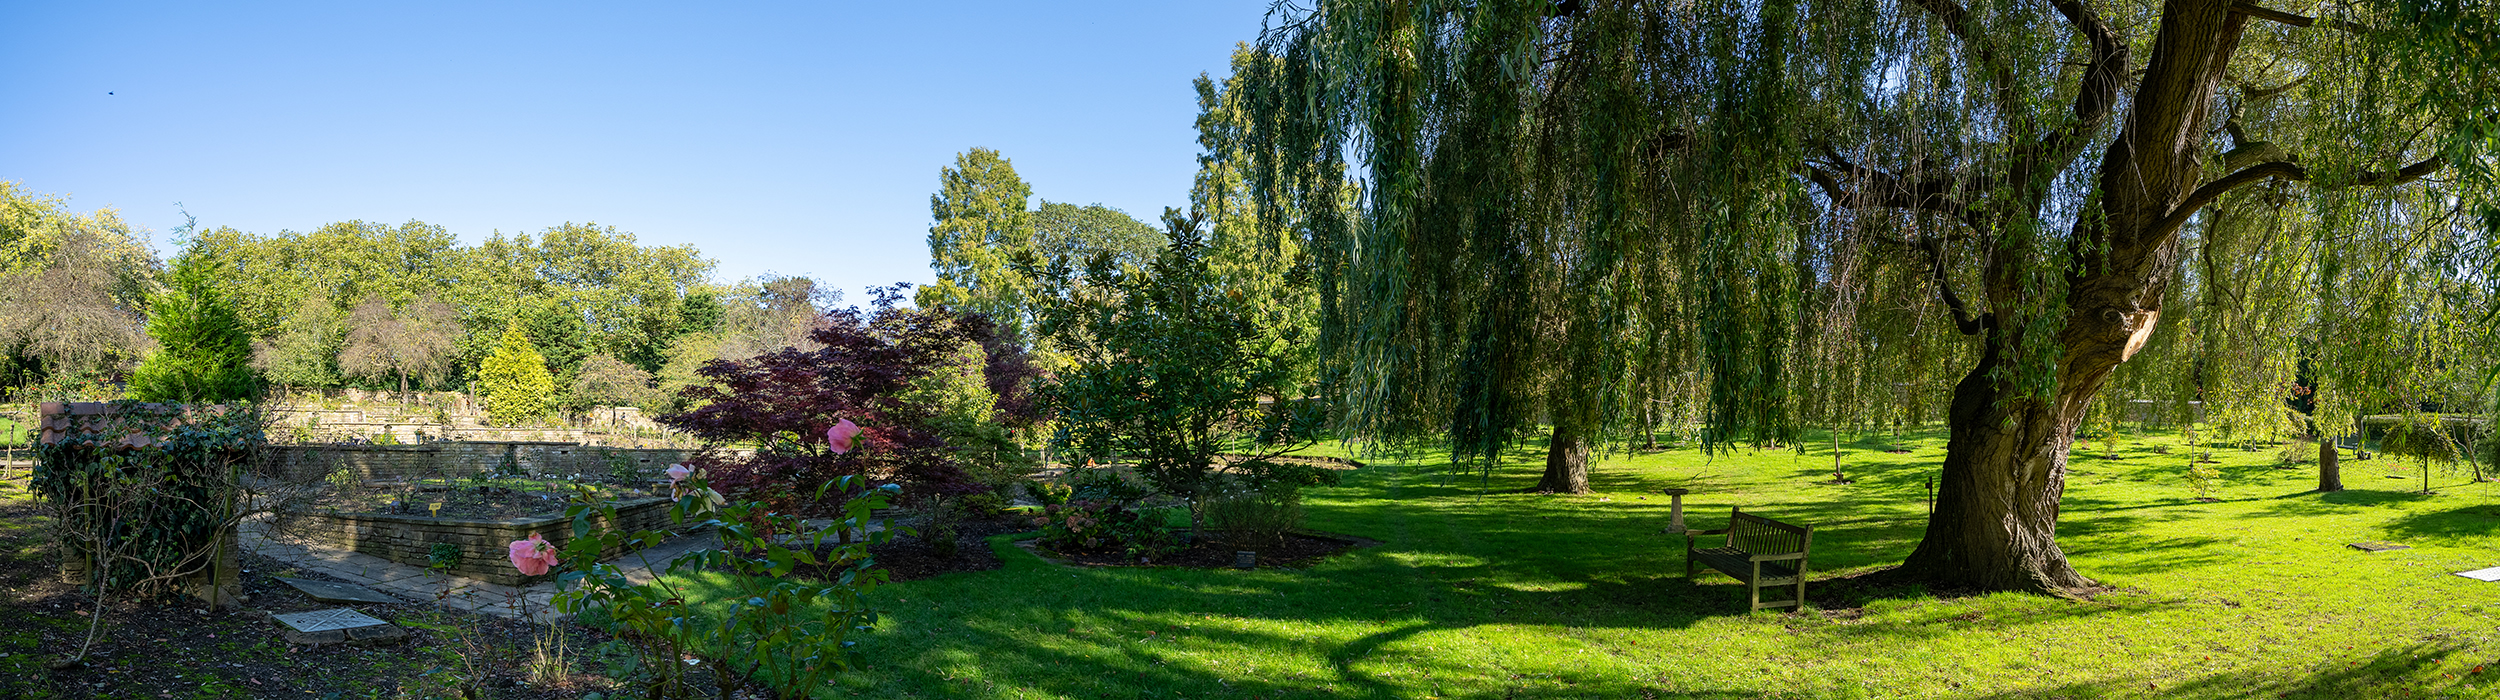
pixel 338 625
pixel 326 620
pixel 328 592
pixel 2375 546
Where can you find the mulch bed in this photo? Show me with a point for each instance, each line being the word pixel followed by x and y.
pixel 1297 550
pixel 176 648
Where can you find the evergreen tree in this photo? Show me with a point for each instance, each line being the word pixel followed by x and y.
pixel 514 379
pixel 982 232
pixel 203 354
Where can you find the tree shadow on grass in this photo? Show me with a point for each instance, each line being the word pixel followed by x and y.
pixel 2464 522
pixel 2390 673
pixel 2311 503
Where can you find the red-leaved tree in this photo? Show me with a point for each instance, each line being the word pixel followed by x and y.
pixel 783 401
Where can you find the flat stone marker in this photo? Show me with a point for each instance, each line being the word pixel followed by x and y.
pixel 326 620
pixel 2490 574
pixel 328 592
pixel 337 625
pixel 2375 546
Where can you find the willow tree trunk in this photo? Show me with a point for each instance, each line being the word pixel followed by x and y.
pixel 1566 460
pixel 2330 476
pixel 1995 521
pixel 1995 525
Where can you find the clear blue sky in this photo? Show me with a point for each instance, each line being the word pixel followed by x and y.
pixel 800 138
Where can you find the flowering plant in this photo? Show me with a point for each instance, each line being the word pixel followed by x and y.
pixel 533 556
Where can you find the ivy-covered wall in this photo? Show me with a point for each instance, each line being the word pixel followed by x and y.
pixel 146 495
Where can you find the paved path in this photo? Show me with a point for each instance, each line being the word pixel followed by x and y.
pixel 415 584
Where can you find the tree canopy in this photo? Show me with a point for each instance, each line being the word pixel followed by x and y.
pixel 1766 215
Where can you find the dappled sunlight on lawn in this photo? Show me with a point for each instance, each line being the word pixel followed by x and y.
pixel 1491 592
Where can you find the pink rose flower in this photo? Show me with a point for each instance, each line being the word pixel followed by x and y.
pixel 840 435
pixel 534 555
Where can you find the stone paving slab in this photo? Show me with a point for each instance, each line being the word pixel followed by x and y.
pixel 326 620
pixel 417 584
pixel 328 592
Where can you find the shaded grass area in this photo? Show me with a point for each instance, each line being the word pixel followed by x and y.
pixel 1479 592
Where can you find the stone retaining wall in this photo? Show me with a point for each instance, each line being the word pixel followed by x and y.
pixel 457 459
pixel 484 544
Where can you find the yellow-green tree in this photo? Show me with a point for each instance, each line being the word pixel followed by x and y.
pixel 982 228
pixel 515 380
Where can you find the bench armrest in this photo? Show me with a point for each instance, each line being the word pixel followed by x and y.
pixel 1777 557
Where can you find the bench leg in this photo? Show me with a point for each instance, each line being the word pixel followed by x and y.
pixel 1801 587
pixel 1689 569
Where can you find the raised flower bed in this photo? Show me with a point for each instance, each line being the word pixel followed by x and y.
pixel 483 545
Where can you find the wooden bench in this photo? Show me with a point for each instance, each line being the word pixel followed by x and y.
pixel 1760 552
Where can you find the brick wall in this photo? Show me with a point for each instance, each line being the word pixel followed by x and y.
pixel 484 544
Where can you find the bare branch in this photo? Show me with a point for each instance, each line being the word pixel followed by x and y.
pixel 2251 9
pixel 2285 170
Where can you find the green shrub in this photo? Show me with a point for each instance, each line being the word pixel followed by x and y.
pixel 1048 493
pixel 1086 527
pixel 343 479
pixel 981 504
pixel 1103 484
pixel 1256 517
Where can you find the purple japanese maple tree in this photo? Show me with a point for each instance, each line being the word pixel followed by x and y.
pixel 783 402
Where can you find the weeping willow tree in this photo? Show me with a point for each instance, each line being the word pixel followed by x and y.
pixel 1766 212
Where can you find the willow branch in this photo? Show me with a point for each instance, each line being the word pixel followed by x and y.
pixel 1958 22
pixel 1962 319
pixel 2251 9
pixel 1870 188
pixel 2286 170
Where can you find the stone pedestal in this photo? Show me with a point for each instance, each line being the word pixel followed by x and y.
pixel 1675 510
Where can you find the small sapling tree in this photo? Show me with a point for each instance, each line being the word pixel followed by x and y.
pixel 1171 375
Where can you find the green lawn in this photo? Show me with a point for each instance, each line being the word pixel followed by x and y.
pixel 1516 595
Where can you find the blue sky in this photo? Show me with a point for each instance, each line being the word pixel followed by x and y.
pixel 798 139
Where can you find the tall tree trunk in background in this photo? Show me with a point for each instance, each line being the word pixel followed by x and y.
pixel 1566 459
pixel 2330 477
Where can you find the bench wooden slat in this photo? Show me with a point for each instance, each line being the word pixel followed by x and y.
pixel 1759 551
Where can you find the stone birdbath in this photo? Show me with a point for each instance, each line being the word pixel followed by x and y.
pixel 1675 510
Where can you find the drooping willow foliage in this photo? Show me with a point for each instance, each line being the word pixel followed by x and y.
pixel 1752 217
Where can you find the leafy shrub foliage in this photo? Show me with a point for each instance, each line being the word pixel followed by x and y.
pixel 1087 526
pixel 783 401
pixel 515 379
pixel 202 353
pixel 1253 517
pixel 780 630
pixel 1173 371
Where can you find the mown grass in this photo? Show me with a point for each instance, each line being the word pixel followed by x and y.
pixel 1505 594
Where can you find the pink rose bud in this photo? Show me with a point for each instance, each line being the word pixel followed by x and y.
pixel 678 472
pixel 840 435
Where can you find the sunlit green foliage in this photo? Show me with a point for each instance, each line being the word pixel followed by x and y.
pixel 982 228
pixel 202 354
pixel 514 380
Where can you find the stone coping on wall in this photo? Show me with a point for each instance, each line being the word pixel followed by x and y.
pixel 507 522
